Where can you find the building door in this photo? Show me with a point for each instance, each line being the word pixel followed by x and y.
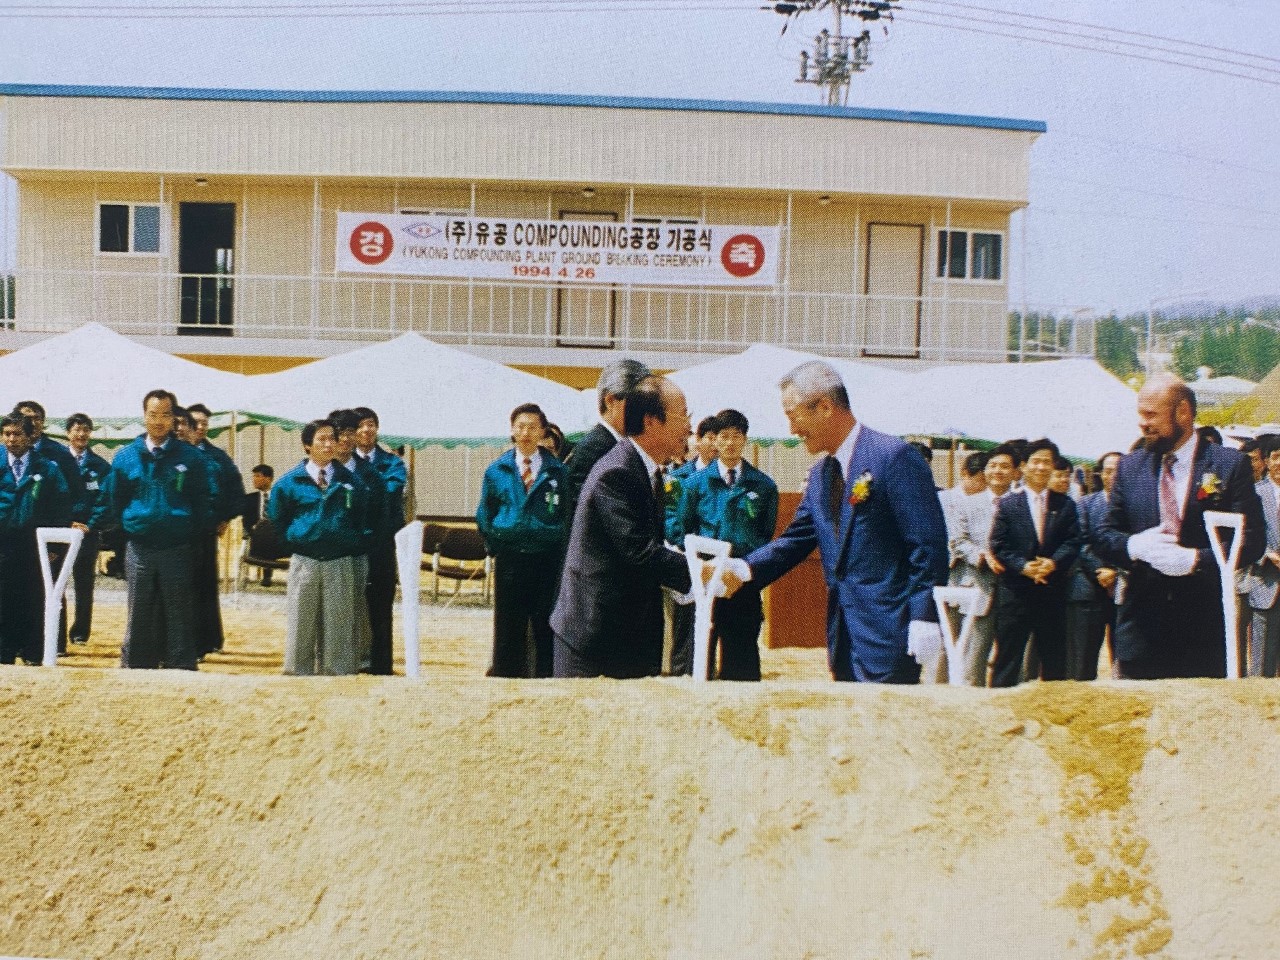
pixel 584 314
pixel 206 260
pixel 893 287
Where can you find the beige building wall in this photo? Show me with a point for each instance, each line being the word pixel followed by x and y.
pixel 285 226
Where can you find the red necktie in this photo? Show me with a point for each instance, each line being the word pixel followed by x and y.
pixel 526 475
pixel 1170 515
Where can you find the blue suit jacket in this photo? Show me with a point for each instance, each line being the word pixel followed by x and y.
pixel 1173 615
pixel 881 564
pixel 1084 588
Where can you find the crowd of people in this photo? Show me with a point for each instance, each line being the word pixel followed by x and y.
pixel 586 539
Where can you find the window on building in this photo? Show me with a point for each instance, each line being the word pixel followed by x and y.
pixel 128 228
pixel 969 255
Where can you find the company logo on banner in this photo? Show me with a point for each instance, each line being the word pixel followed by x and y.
pixel 558 251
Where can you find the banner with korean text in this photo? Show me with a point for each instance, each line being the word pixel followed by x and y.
pixel 558 251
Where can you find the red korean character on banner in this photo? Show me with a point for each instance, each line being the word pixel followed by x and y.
pixel 371 243
pixel 742 255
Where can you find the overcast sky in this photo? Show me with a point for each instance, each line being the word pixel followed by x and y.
pixel 1153 181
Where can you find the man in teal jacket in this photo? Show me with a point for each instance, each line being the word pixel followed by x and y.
pixel 322 512
pixel 160 494
pixel 37 495
pixel 523 516
pixel 733 501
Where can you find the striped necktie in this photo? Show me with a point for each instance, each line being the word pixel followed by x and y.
pixel 526 475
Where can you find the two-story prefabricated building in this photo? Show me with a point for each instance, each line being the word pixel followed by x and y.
pixel 219 222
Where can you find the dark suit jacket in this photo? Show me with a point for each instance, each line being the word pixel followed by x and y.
pixel 1092 511
pixel 597 442
pixel 1177 617
pixel 881 564
pixel 610 604
pixel 1014 542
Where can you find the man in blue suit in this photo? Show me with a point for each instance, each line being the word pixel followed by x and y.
pixel 1170 622
pixel 1091 604
pixel 871 509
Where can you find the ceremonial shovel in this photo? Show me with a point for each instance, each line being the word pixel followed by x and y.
pixel 704 595
pixel 53 591
pixel 968 601
pixel 409 559
pixel 1214 521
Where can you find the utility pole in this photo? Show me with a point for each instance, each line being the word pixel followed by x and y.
pixel 835 57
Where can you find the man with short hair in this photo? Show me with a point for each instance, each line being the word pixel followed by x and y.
pixel 682 615
pixel 346 423
pixel 524 518
pixel 159 491
pixel 978 566
pixel 1091 594
pixel 608 618
pixel 228 498
pixel 617 380
pixel 253 509
pixel 380 595
pixel 1036 537
pixel 871 509
pixel 1170 622
pixel 93 473
pixel 36 494
pixel 1257 460
pixel 730 500
pixel 1264 612
pixel 321 511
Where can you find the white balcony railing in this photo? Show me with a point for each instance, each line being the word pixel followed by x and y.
pixel 506 314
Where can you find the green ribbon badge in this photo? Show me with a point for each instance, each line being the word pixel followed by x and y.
pixel 35 486
pixel 180 479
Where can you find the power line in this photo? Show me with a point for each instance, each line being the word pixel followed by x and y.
pixel 947 25
pixel 364 11
pixel 1092 26
pixel 1169 51
pixel 1179 154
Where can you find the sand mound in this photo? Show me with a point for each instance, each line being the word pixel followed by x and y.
pixel 162 815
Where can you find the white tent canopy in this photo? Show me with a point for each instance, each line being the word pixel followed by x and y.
pixel 1077 403
pixel 424 393
pixel 96 371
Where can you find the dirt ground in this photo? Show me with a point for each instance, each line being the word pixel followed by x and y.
pixel 238 813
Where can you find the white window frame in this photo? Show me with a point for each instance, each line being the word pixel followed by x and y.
pixel 939 273
pixel 163 225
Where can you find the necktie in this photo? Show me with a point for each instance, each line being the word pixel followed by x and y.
pixel 17 471
pixel 322 481
pixel 835 489
pixel 526 475
pixel 1041 507
pixel 733 476
pixel 1170 515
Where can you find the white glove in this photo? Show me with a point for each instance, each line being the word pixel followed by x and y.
pixel 924 641
pixel 1142 545
pixel 738 567
pixel 1172 560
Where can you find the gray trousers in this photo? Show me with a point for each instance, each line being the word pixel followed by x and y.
pixel 1264 645
pixel 160 629
pixel 327 624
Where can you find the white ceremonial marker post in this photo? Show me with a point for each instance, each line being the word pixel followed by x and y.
pixel 704 595
pixel 409 560
pixel 967 601
pixel 1215 521
pixel 53 591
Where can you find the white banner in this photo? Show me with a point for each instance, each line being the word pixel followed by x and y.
pixel 558 251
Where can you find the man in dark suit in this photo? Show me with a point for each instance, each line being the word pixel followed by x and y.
pixel 1170 622
pixel 871 509
pixel 1036 536
pixel 1091 604
pixel 616 381
pixel 608 618
pixel 254 506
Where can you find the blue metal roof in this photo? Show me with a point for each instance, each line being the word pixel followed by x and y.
pixel 530 99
